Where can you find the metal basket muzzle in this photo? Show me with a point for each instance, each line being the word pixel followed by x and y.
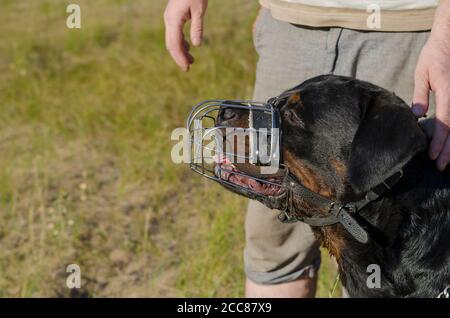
pixel 208 136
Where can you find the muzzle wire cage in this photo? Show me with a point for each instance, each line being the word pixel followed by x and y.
pixel 210 145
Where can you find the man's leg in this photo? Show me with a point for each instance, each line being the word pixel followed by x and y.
pixel 282 260
pixel 300 288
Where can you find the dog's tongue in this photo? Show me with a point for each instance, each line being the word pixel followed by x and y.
pixel 224 163
pixel 228 172
pixel 246 182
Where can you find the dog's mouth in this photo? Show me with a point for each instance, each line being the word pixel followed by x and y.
pixel 265 186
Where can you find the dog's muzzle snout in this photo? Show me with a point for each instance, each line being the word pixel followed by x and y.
pixel 227 115
pixel 214 126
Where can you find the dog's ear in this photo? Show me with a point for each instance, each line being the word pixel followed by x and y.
pixel 387 137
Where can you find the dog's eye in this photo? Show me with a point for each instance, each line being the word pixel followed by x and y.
pixel 292 118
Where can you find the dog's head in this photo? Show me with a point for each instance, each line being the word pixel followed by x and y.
pixel 340 138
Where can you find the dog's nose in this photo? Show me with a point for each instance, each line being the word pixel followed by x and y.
pixel 226 114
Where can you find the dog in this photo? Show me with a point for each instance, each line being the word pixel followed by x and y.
pixel 341 138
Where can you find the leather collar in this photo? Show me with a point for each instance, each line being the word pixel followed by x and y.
pixel 338 212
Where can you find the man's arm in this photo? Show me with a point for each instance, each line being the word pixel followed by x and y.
pixel 433 73
pixel 177 13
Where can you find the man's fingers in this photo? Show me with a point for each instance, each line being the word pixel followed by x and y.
pixel 440 135
pixel 421 95
pixel 176 46
pixel 187 47
pixel 177 13
pixel 441 127
pixel 444 157
pixel 177 49
pixel 186 44
pixel 196 28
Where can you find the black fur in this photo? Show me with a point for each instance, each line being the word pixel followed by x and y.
pixel 373 133
pixel 409 239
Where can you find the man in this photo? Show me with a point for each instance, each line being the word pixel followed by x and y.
pixel 299 39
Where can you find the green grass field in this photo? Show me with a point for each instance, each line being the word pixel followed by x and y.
pixel 85 169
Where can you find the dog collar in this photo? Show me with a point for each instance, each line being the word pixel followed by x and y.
pixel 338 212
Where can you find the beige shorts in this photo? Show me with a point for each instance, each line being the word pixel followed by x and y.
pixel 288 55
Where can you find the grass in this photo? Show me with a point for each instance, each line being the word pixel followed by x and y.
pixel 85 169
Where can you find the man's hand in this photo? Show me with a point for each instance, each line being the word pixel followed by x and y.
pixel 433 73
pixel 177 13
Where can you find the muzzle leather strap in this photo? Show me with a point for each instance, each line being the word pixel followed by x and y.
pixel 337 212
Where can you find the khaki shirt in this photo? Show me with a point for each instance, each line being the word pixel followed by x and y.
pixel 387 15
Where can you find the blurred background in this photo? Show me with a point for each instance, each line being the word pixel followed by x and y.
pixel 85 170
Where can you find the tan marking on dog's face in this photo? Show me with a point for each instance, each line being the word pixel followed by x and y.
pixel 339 167
pixel 294 98
pixel 307 176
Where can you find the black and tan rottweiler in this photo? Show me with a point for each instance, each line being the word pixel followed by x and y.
pixel 342 137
